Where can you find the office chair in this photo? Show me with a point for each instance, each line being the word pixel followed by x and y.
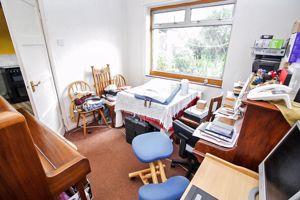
pixel 187 141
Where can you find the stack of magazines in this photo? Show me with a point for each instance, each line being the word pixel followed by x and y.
pixel 217 132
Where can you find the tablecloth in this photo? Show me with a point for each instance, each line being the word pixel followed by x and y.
pixel 163 113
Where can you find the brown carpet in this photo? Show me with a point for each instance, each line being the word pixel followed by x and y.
pixel 111 159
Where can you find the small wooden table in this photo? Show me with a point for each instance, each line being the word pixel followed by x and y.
pixel 223 180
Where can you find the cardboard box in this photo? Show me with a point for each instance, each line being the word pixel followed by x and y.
pixel 296 27
pixel 201 104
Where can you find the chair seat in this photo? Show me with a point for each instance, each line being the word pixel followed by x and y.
pixel 152 146
pixel 172 189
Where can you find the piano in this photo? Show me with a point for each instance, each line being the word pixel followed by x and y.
pixel 35 162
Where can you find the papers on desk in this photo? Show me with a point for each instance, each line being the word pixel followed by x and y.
pixel 218 133
pixel 227 112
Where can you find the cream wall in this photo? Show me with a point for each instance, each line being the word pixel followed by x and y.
pixel 81 34
pixel 252 19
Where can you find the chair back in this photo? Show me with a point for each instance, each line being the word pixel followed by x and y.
pixel 77 86
pixel 215 103
pixel 185 134
pixel 119 80
pixel 102 78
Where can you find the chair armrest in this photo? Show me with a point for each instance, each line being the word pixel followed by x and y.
pixel 189 122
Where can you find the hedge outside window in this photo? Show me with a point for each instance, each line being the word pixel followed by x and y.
pixel 191 41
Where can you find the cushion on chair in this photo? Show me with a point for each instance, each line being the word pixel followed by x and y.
pixel 172 189
pixel 152 146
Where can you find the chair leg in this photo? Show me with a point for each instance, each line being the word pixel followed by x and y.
pixel 78 120
pixel 153 173
pixel 80 187
pixel 162 171
pixel 84 124
pixel 103 118
pixel 94 116
pixel 149 173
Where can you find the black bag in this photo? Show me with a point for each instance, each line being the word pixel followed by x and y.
pixel 134 126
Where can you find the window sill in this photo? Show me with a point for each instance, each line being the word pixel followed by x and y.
pixel 215 83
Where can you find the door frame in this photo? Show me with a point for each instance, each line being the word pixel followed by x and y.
pixel 62 129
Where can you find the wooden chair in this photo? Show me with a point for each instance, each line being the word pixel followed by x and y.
pixel 102 79
pixel 119 80
pixel 215 104
pixel 37 163
pixel 78 86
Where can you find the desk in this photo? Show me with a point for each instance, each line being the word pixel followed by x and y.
pixel 261 128
pixel 223 180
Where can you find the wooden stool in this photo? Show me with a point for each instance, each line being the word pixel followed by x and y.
pixel 151 148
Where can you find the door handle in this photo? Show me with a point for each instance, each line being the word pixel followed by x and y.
pixel 33 86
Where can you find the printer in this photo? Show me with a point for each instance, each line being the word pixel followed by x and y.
pixel 268 53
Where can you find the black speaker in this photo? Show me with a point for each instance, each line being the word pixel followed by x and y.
pixel 297 97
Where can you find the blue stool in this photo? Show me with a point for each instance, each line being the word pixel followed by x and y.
pixel 150 148
pixel 172 189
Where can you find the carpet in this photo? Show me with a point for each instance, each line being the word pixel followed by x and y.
pixel 111 159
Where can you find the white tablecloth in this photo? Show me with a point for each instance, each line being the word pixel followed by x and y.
pixel 163 113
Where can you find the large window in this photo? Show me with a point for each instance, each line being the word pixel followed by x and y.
pixel 191 41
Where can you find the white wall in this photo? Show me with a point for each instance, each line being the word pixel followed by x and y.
pixel 81 34
pixel 96 32
pixel 252 19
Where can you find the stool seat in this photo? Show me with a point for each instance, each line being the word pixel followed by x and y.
pixel 172 189
pixel 152 146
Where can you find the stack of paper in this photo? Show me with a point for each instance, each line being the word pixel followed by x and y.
pixel 217 133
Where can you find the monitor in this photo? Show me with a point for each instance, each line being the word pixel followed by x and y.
pixel 279 173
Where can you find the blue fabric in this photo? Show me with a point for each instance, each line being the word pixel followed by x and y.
pixel 166 102
pixel 172 189
pixel 152 146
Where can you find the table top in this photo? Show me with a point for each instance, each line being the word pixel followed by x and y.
pixel 163 113
pixel 223 180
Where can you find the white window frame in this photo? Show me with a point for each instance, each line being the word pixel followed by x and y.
pixel 189 23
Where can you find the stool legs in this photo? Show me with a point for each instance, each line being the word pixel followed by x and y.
pixel 162 171
pixel 151 173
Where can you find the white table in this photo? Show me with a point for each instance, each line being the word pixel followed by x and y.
pixel 163 113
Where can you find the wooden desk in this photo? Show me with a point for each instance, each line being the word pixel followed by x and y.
pixel 223 180
pixel 261 128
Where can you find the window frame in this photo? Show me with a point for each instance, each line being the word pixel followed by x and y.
pixel 188 23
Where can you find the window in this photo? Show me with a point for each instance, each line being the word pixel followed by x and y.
pixel 191 41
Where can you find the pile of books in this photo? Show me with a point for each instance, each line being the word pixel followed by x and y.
pixel 195 114
pixel 217 132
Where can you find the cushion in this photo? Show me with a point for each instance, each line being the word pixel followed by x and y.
pixel 152 146
pixel 172 189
